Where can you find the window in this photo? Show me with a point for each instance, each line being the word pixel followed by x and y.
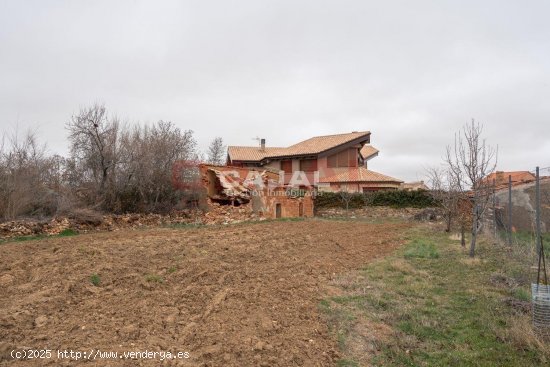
pixel 345 158
pixel 332 161
pixel 286 166
pixel 308 165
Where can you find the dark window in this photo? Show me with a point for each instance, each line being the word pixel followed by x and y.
pixel 345 158
pixel 332 161
pixel 308 165
pixel 286 166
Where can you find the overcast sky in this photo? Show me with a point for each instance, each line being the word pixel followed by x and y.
pixel 411 72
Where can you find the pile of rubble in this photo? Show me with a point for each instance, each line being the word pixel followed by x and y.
pixel 81 223
pixel 227 214
pixel 58 225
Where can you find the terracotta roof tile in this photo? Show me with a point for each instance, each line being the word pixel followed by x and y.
pixel 315 145
pixel 368 151
pixel 356 174
pixel 238 153
pixel 501 177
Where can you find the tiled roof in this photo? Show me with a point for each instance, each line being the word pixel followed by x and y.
pixel 313 145
pixel 368 151
pixel 418 185
pixel 356 174
pixel 501 178
pixel 238 153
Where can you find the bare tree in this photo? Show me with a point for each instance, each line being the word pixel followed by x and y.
pixel 24 177
pixel 112 166
pixel 345 196
pixel 94 141
pixel 216 152
pixel 147 158
pixel 445 192
pixel 470 161
pixel 367 198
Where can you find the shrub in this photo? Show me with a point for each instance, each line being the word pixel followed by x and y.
pixel 393 198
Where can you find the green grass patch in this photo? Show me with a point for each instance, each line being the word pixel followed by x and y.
pixel 522 294
pixel 64 233
pixel 421 249
pixel 23 238
pixel 67 232
pixel 154 278
pixel 406 311
pixel 95 280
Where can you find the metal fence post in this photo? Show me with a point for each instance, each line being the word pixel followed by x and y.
pixel 537 209
pixel 494 210
pixel 509 209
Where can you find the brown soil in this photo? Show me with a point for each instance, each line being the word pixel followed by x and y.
pixel 240 295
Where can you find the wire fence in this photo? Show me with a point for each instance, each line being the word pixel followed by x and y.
pixel 519 211
pixel 519 216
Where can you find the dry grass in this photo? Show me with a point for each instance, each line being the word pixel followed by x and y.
pixel 521 335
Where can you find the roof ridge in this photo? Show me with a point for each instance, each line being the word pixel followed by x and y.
pixel 253 146
pixel 332 135
pixel 353 132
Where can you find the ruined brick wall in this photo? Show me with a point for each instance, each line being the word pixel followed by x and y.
pixel 264 200
pixel 291 207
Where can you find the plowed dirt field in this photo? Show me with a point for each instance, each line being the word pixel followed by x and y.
pixel 239 295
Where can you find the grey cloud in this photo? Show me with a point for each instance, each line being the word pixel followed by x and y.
pixel 411 72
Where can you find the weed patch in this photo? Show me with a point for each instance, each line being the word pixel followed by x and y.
pixel 67 232
pixel 95 279
pixel 154 278
pixel 421 249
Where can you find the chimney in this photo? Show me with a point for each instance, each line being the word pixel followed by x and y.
pixel 262 145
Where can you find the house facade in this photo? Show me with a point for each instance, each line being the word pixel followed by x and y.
pixel 331 162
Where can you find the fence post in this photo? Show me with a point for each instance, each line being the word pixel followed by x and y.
pixel 537 209
pixel 509 209
pixel 494 211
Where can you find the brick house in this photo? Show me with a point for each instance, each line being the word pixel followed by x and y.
pixel 333 162
pixel 500 178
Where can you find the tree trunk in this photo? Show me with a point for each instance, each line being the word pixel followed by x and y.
pixel 449 219
pixel 104 174
pixel 463 235
pixel 474 237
